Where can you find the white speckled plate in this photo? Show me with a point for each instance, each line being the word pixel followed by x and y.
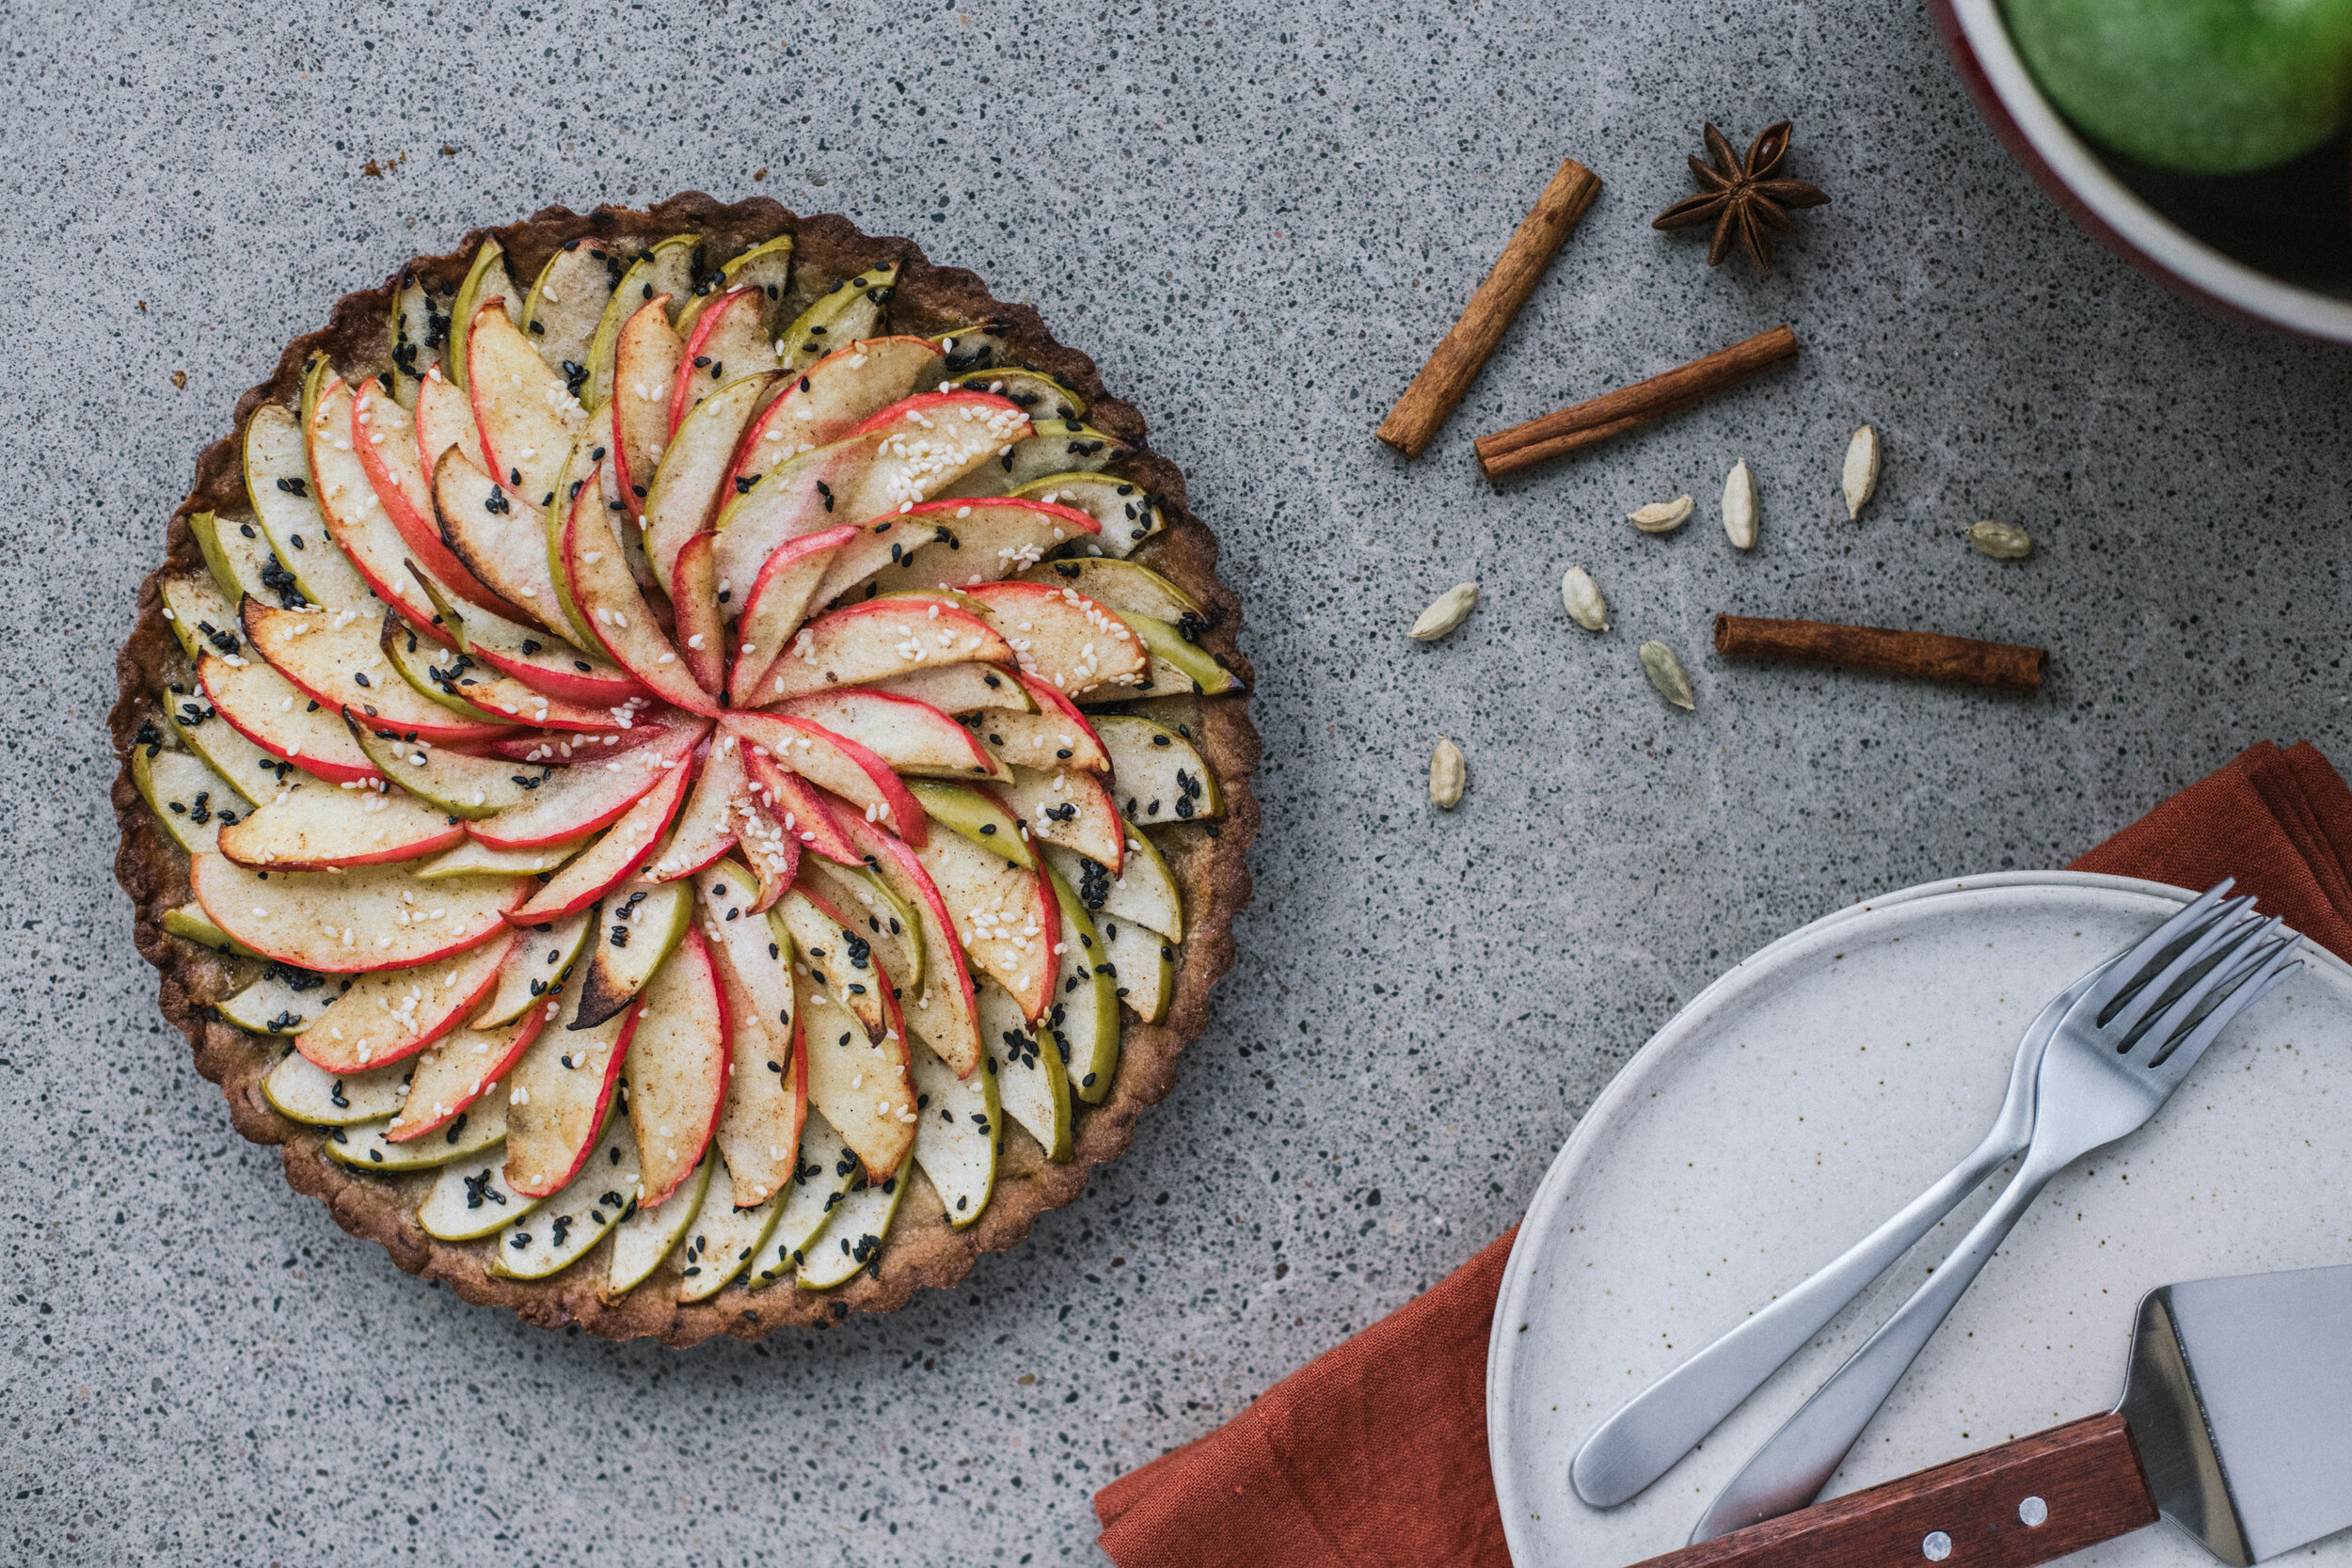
pixel 1804 1096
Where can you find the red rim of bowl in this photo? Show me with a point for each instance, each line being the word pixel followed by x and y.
pixel 2064 166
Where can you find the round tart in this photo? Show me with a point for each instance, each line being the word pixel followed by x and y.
pixel 689 765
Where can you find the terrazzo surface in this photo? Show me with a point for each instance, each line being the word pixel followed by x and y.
pixel 1258 220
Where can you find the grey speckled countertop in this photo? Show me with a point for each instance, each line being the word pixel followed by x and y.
pixel 1258 220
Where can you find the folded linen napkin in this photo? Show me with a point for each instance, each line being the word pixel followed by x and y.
pixel 1375 1453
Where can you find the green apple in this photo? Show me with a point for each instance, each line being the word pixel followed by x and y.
pixel 955 1136
pixel 1085 1015
pixel 849 313
pixel 191 800
pixel 649 1233
pixel 727 1238
pixel 471 1199
pixel 560 1230
pixel 639 924
pixel 277 486
pixel 191 924
pixel 365 1148
pixel 1037 393
pixel 1032 1079
pixel 1143 964
pixel 1052 448
pixel 1128 516
pixel 286 1001
pixel 535 969
pixel 418 332
pixel 668 268
pixel 2198 86
pixel 854 1237
pixel 249 771
pixel 1158 775
pixel 487 280
pixel 303 1092
pixel 823 1169
pixel 567 304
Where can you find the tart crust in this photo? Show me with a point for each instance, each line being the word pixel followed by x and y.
pixel 1209 859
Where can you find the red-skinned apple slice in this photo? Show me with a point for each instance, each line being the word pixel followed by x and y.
pixel 1071 809
pixel 835 763
pixel 687 488
pixel 561 1090
pixel 562 748
pixel 875 641
pixel 444 420
pixel 386 439
pixel 952 544
pixel 778 603
pixel 706 829
pixel 767 831
pixel 908 734
pixel 497 535
pixel 282 719
pixel 320 826
pixel 810 816
pixel 544 661
pixel 962 689
pixel 617 612
pixel 392 1014
pixel 902 456
pixel 676 1066
pixel 475 690
pixel 587 796
pixel 828 946
pixel 863 1086
pixel 1056 737
pixel 767 1099
pixel 1003 913
pixel 354 518
pixel 336 659
pixel 611 860
pixel 729 342
pixel 1063 638
pixel 645 368
pixel 832 398
pixel 702 632
pixel 463 1066
pixel 946 1012
pixel 348 923
pixel 525 414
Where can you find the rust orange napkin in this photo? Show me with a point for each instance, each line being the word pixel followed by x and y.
pixel 1375 1453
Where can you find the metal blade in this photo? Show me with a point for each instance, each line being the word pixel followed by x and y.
pixel 2240 1399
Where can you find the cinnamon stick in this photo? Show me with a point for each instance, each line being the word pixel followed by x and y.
pixel 1930 656
pixel 1412 424
pixel 1585 424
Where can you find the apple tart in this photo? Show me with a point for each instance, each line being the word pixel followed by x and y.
pixel 689 765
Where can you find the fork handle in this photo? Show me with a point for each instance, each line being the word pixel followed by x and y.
pixel 1656 1426
pixel 1796 1462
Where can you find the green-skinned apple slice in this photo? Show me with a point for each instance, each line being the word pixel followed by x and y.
pixel 849 313
pixel 303 1092
pixel 384 438
pixel 486 283
pixel 189 923
pixel 286 1001
pixel 621 853
pixel 883 918
pixel 618 616
pixel 540 659
pixel 676 1068
pixel 777 603
pixel 281 718
pixel 567 303
pixel 863 1087
pixel 835 763
pixel 278 485
pixel 458 1070
pixel 1063 638
pixel 644 367
pixel 823 1169
pixel 1126 513
pixel 1037 395
pixel 480 859
pixel 1085 1012
pixel 728 341
pixel 970 348
pixel 356 520
pixel 1179 667
pixel 1000 914
pixel 569 1224
pixel 705 829
pixel 908 734
pixel 1067 808
pixel 875 640
pixel 558 1095
pixel 199 618
pixel 444 423
pixel 982 689
pixel 338 660
pixel 1144 965
pixel 951 544
pixel 685 492
pixel 192 803
pixel 648 1233
pixel 837 960
pixel 766 267
pixel 1032 1081
pixel 1123 587
pixel 417 332
pixel 390 1015
pixel 371 919
pixel 955 1137
pixel 854 1239
pixel 1055 738
pixel 668 268
pixel 978 816
pixel 1053 449
pixel 1143 890
pixel 637 927
pixel 471 1199
pixel 587 481
pixel 239 556
pixel 249 771
pixel 365 1146
pixel 726 1238
pixel 586 796
pixel 498 535
pixel 1158 775
pixel 527 414
pixel 474 691
pixel 828 400
pixel 767 1097
pixel 702 632
pixel 532 976
pixel 322 827
pixel 942 1014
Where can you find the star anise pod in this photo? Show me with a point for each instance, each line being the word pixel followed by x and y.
pixel 1742 197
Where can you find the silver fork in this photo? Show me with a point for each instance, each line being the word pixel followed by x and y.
pixel 2115 1058
pixel 1656 1426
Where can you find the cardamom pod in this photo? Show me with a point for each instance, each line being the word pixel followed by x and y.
pixel 1861 477
pixel 1739 506
pixel 1665 672
pixel 1582 595
pixel 1662 516
pixel 2001 541
pixel 1452 609
pixel 1447 773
